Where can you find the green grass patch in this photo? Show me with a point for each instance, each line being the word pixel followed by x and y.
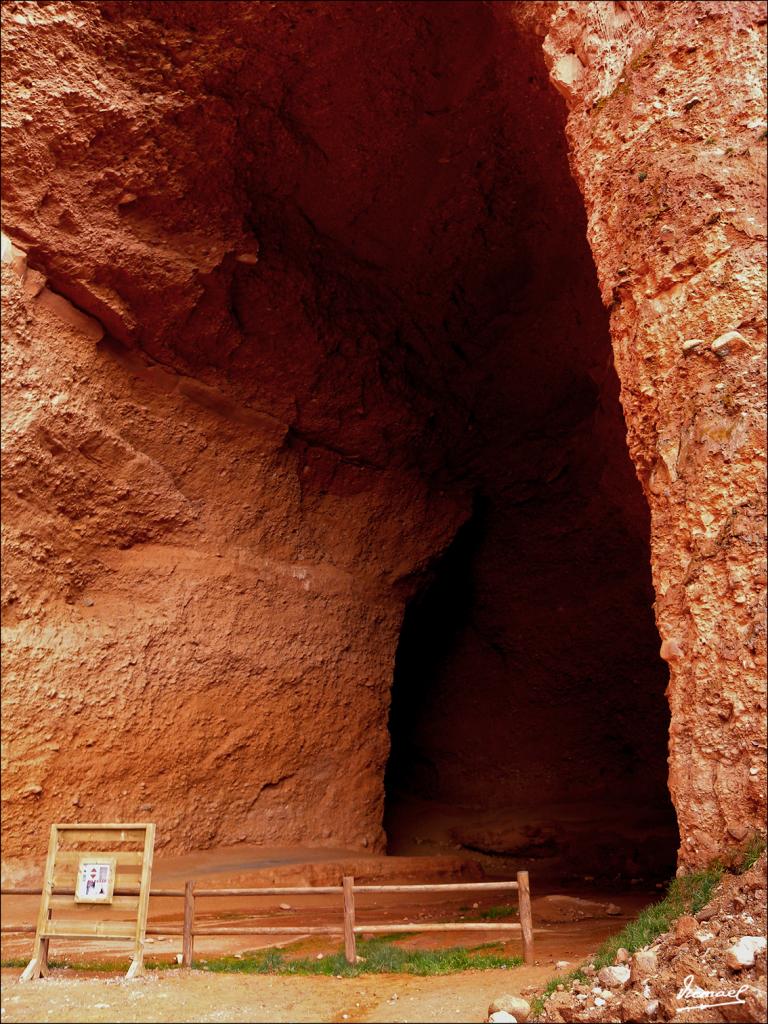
pixel 493 913
pixel 95 966
pixel 379 956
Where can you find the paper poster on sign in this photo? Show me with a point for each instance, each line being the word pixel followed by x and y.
pixel 95 880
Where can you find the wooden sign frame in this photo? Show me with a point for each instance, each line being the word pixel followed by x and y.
pixel 60 885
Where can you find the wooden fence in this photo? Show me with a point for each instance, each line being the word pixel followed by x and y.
pixel 348 927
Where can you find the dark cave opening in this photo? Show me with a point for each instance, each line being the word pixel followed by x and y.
pixel 433 619
pixel 528 716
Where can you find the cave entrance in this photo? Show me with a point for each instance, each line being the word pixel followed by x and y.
pixel 528 715
pixel 528 718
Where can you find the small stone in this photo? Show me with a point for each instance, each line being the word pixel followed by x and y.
pixel 704 939
pixel 692 102
pixel 319 956
pixel 88 602
pixel 685 929
pixel 652 1008
pixel 34 789
pixel 622 956
pixel 518 1007
pixel 125 198
pixel 729 342
pixel 285 906
pixel 643 964
pixel 692 344
pixel 742 953
pixel 614 976
pixel 247 257
pixel 502 1017
pixel 599 1001
pixel 613 910
pixel 562 965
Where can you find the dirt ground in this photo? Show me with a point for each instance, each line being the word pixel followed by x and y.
pixel 206 997
pixel 560 934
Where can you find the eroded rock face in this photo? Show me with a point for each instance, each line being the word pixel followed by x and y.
pixel 187 637
pixel 342 300
pixel 667 134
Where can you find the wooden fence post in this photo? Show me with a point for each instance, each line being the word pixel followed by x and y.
pixel 188 938
pixel 526 918
pixel 350 948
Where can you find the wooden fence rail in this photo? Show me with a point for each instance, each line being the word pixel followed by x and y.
pixel 348 927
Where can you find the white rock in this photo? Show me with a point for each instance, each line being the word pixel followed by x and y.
pixel 515 1005
pixel 285 906
pixel 692 344
pixel 729 342
pixel 502 1017
pixel 561 965
pixel 652 1008
pixel 614 976
pixel 742 953
pixel 644 964
pixel 599 1001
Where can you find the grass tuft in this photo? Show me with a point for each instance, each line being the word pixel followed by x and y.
pixel 493 913
pixel 95 966
pixel 378 957
pixel 686 895
pixel 752 852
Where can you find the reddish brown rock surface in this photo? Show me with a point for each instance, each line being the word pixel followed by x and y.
pixel 344 303
pixel 667 134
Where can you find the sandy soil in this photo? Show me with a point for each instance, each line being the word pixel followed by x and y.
pixel 200 996
pixel 205 997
